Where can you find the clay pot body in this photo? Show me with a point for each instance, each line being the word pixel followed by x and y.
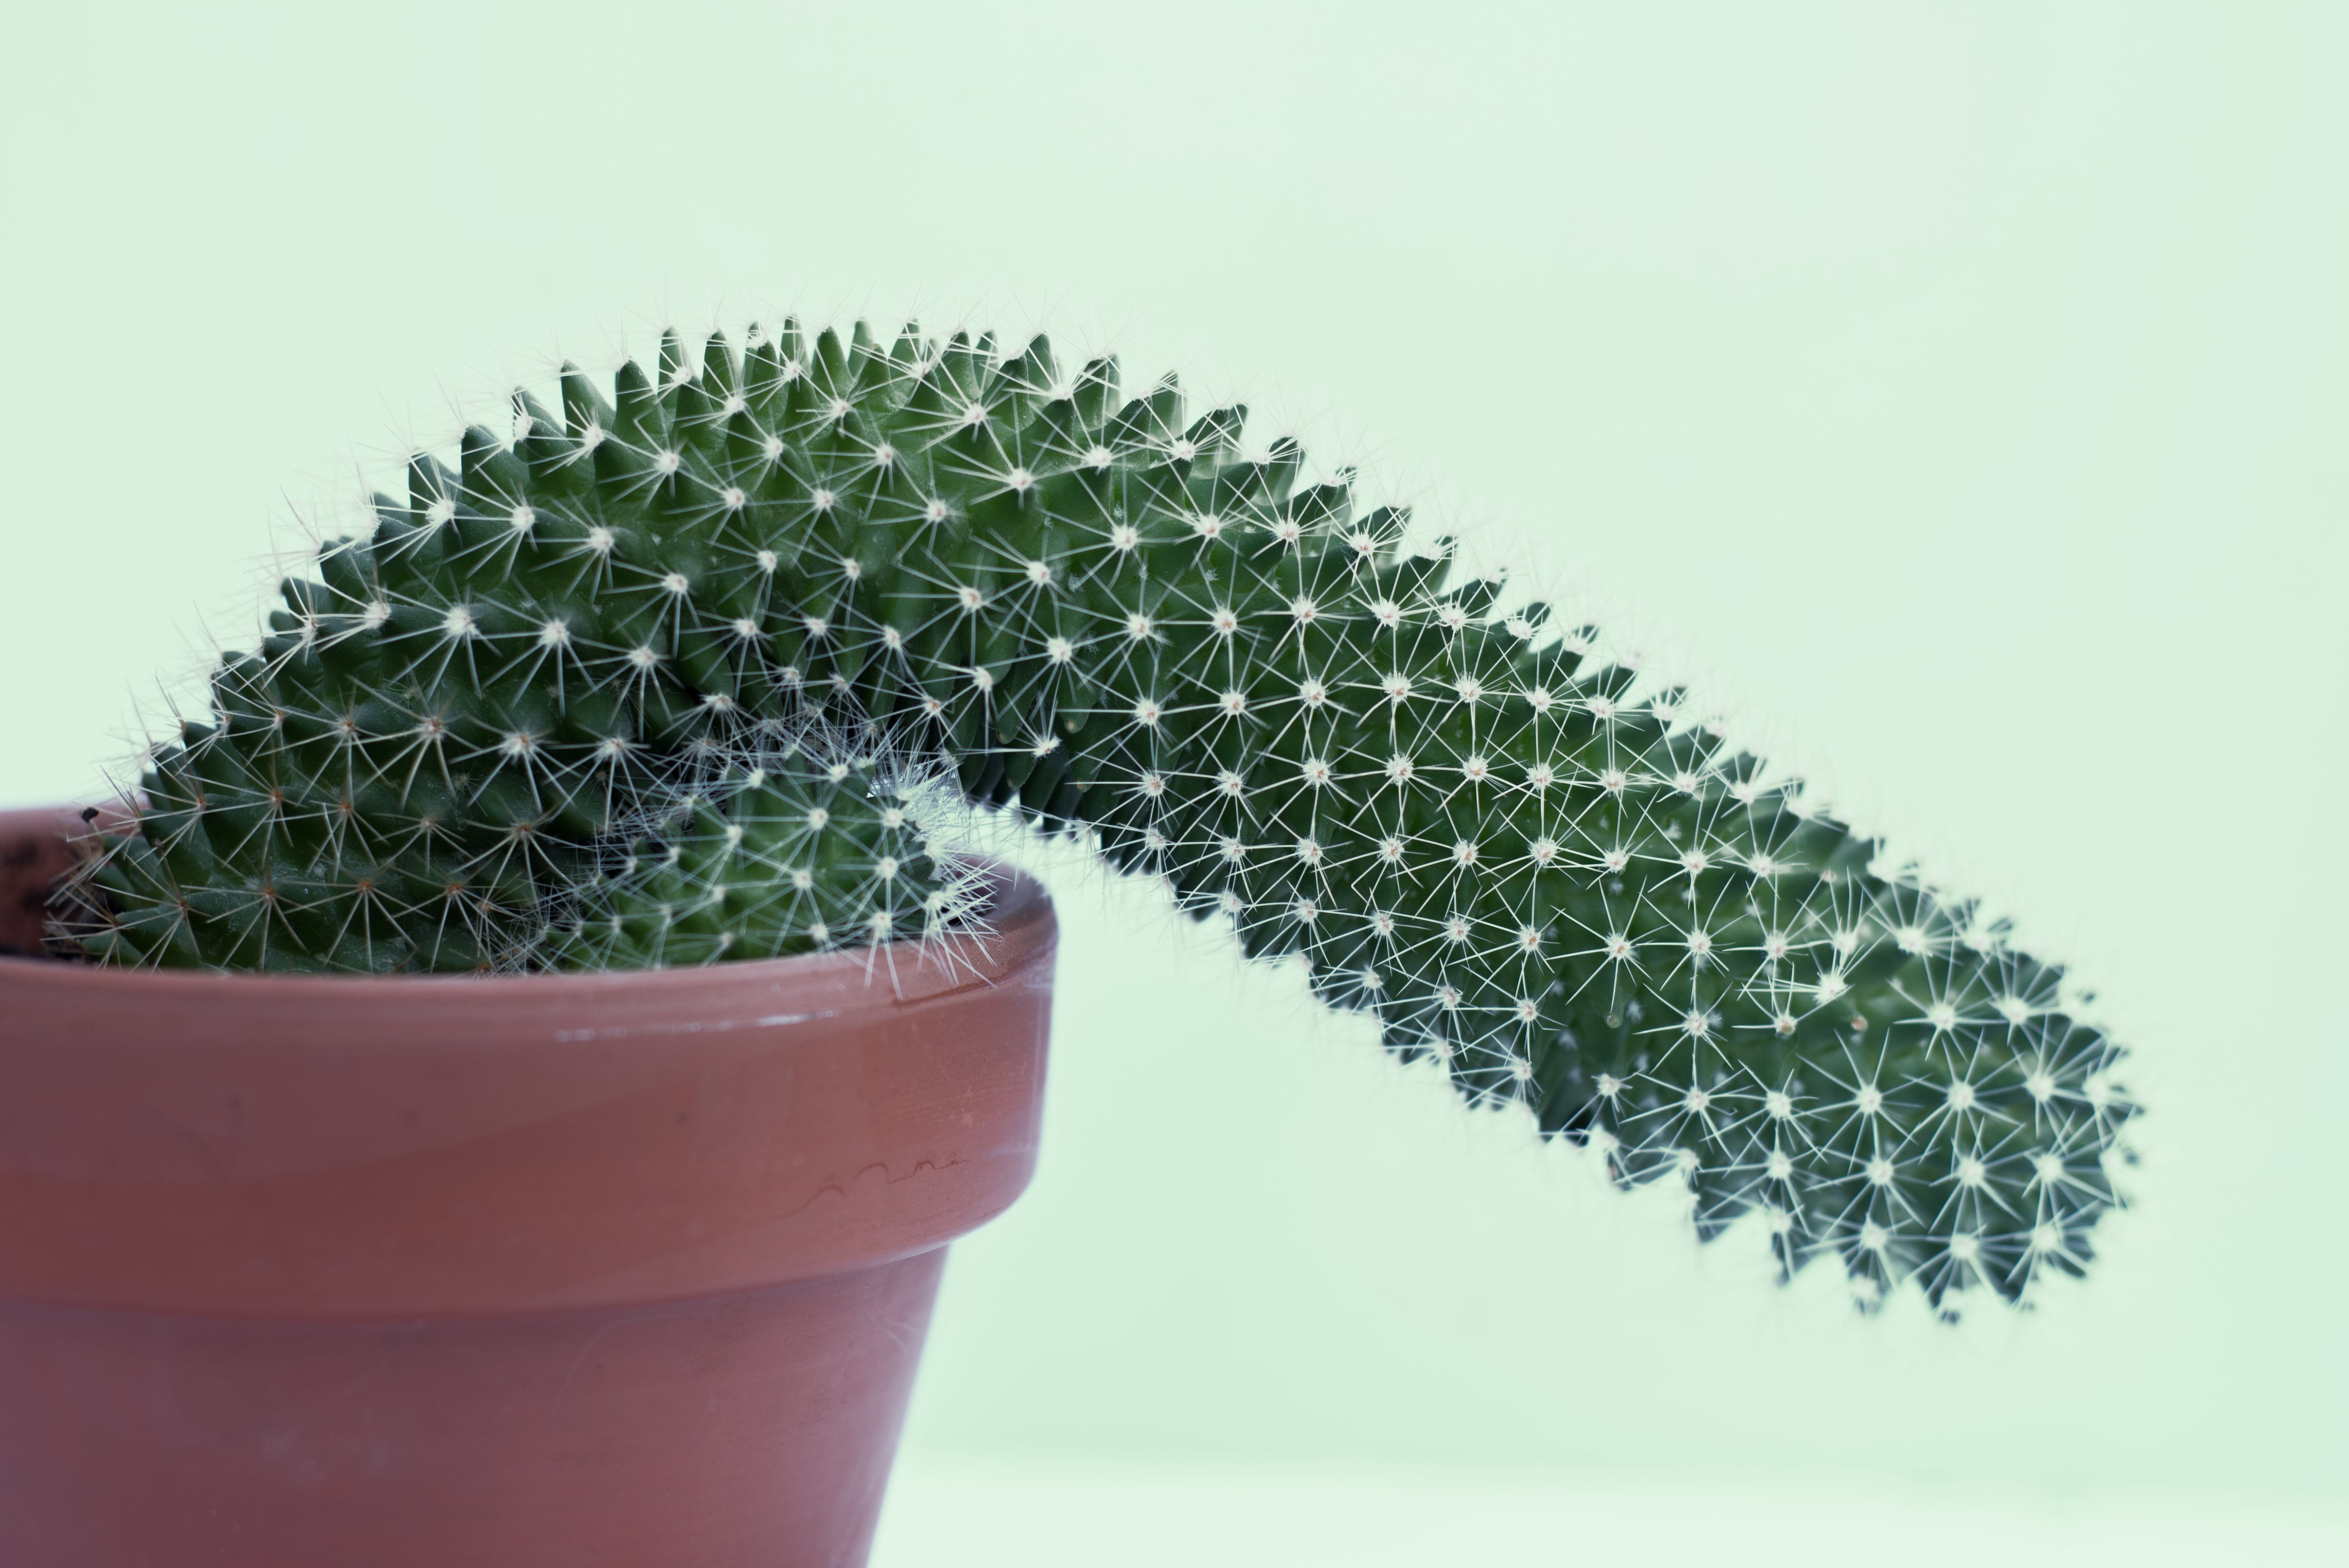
pixel 598 1271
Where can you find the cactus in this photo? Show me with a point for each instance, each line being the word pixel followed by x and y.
pixel 762 852
pixel 620 691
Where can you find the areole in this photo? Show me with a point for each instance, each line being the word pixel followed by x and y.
pixel 546 1269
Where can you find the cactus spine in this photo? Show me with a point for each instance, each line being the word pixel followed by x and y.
pixel 650 683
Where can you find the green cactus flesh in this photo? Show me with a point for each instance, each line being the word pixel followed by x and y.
pixel 644 685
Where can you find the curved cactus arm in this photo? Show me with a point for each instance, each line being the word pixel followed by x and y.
pixel 557 709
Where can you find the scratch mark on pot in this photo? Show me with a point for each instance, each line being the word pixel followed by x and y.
pixel 836 1188
pixel 584 1351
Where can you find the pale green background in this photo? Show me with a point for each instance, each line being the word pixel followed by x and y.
pixel 1956 394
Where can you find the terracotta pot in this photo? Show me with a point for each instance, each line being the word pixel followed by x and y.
pixel 600 1270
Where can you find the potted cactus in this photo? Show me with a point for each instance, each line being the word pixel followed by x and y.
pixel 664 711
